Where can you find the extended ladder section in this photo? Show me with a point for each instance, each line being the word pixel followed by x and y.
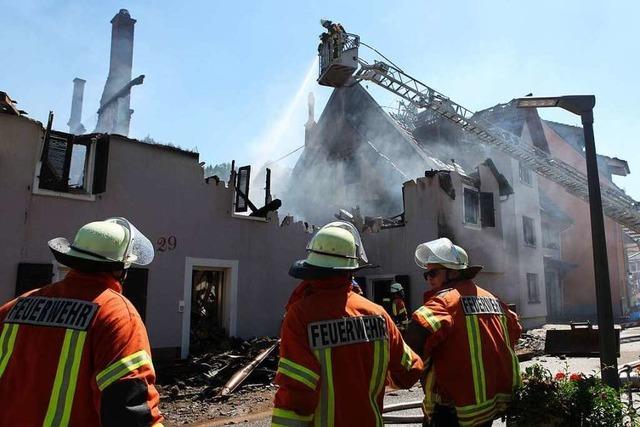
pixel 616 204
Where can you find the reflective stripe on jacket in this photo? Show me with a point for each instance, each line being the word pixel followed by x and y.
pixel 399 312
pixel 335 353
pixel 470 342
pixel 79 353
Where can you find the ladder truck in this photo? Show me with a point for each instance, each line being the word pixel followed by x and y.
pixel 341 65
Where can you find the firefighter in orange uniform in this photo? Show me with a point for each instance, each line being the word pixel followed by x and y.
pixel 337 348
pixel 76 352
pixel 398 308
pixel 466 337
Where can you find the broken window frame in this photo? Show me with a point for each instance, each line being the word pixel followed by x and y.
pixel 243 178
pixel 95 164
pixel 49 180
pixel 533 289
pixel 528 222
pixel 468 191
pixel 96 161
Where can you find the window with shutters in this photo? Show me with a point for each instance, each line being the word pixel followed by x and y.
pixel 73 165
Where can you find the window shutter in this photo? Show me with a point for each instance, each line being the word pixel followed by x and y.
pixel 244 176
pixel 101 165
pixel 32 276
pixel 487 211
pixel 54 171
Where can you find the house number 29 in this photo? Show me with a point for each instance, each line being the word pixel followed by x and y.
pixel 166 243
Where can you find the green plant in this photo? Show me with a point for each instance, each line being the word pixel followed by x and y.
pixel 566 399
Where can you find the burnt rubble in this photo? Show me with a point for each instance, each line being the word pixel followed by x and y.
pixel 530 344
pixel 203 376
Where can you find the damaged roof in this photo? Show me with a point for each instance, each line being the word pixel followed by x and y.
pixel 574 136
pixel 8 105
pixel 504 187
pixel 511 118
pixel 355 106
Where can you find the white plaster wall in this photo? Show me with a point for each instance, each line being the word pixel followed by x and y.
pixel 163 193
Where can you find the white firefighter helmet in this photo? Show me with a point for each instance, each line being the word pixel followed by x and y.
pixel 396 287
pixel 442 251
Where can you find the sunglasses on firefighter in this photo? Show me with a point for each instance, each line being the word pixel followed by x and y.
pixel 431 273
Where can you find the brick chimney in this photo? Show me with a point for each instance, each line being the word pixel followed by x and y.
pixel 75 119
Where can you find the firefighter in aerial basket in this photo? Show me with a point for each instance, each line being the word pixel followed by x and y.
pixel 337 348
pixel 466 336
pixel 398 308
pixel 76 352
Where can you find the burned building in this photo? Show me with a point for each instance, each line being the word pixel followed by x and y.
pixel 359 155
pixel 210 262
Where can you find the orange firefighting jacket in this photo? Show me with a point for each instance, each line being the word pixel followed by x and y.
pixel 469 351
pixel 399 312
pixel 336 351
pixel 75 353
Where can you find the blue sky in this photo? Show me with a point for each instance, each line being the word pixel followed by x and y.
pixel 231 78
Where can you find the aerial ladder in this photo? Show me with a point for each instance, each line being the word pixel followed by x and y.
pixel 341 65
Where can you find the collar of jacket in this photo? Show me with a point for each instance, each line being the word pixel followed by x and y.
pixel 328 284
pixel 331 283
pixel 307 286
pixel 444 288
pixel 100 280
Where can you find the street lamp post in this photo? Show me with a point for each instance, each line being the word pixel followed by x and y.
pixel 582 105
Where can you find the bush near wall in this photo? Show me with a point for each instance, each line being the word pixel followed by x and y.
pixel 567 399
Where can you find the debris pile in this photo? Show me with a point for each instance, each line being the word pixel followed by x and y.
pixel 530 344
pixel 197 386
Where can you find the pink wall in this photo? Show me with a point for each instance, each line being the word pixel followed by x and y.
pixel 579 286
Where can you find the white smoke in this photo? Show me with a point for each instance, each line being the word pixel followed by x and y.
pixel 285 135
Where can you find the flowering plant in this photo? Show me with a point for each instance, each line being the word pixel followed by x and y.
pixel 566 399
